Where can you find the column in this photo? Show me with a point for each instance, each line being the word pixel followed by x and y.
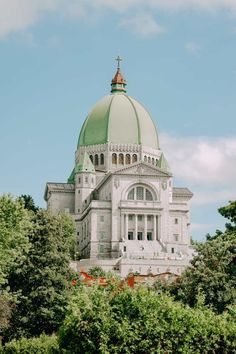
pixel 145 227
pixel 126 226
pixel 155 237
pixel 136 227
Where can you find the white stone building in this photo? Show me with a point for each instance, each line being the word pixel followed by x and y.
pixel 129 217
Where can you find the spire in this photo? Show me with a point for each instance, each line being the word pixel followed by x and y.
pixel 118 83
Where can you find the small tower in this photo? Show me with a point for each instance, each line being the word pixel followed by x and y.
pixel 85 180
pixel 118 83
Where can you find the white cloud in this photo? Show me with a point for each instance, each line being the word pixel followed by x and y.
pixel 143 24
pixel 193 47
pixel 208 165
pixel 18 15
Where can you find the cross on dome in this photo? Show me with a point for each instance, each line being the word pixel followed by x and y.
pixel 118 59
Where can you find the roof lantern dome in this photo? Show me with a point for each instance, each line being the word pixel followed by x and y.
pixel 118 118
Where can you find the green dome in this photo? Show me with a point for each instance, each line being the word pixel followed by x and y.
pixel 118 118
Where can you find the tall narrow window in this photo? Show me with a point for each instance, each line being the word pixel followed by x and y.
pixel 127 159
pixel 114 159
pixel 149 236
pixel 139 193
pixel 149 159
pixel 130 235
pixel 148 195
pixel 153 161
pixel 140 235
pixel 102 159
pixel 91 158
pixel 131 194
pixel 134 158
pixel 96 160
pixel 121 159
pixel 145 158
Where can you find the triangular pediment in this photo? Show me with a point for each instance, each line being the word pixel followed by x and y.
pixel 142 169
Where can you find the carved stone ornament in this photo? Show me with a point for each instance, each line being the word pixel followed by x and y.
pixel 116 183
pixel 164 185
pixel 140 170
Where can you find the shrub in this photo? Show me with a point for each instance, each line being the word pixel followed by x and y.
pixel 40 345
pixel 141 321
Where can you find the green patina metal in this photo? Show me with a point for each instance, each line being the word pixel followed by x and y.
pixel 85 164
pixel 137 118
pixel 118 118
pixel 71 179
pixel 163 164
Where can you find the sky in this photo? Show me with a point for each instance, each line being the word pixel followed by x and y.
pixel 179 60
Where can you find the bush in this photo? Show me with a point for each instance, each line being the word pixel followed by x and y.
pixel 41 345
pixel 141 321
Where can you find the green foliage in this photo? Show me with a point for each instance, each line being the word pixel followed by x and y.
pixel 69 233
pixel 213 270
pixel 213 273
pixel 14 227
pixel 41 280
pixel 28 202
pixel 97 272
pixel 229 212
pixel 140 320
pixel 5 310
pixel 41 345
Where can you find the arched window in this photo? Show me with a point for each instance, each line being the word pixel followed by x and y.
pixel 102 159
pixel 153 161
pixel 156 162
pixel 127 159
pixel 121 159
pixel 91 158
pixel 149 159
pixel 145 158
pixel 140 193
pixel 114 159
pixel 134 158
pixel 96 160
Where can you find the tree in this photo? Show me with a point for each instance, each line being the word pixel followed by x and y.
pixel 14 228
pixel 97 272
pixel 140 321
pixel 42 279
pixel 229 212
pixel 213 270
pixel 28 202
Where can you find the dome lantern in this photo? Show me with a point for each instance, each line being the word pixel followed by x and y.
pixel 118 83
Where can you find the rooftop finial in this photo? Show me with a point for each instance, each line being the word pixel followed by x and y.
pixel 118 59
pixel 118 83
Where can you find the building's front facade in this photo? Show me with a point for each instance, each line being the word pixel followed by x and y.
pixel 128 215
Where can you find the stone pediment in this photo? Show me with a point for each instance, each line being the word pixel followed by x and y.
pixel 142 169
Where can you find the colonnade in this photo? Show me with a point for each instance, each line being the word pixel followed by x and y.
pixel 143 228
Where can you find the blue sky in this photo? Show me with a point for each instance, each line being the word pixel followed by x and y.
pixel 57 61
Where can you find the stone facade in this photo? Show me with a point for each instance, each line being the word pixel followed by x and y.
pixel 128 215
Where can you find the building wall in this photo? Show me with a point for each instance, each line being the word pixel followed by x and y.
pixel 61 202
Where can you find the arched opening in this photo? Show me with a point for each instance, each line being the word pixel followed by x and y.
pixel 102 159
pixel 121 159
pixel 145 158
pixel 127 159
pixel 91 158
pixel 134 158
pixel 153 161
pixel 149 159
pixel 96 160
pixel 114 159
pixel 140 192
